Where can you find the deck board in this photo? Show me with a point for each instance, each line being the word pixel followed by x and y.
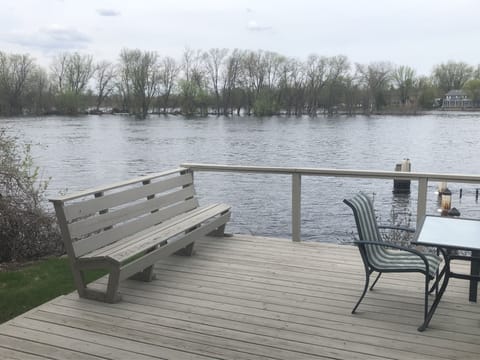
pixel 246 297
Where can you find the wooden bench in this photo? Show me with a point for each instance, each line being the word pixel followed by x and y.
pixel 126 227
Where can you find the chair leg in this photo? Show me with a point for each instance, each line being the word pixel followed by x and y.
pixel 367 280
pixel 378 277
pixel 425 310
pixel 437 281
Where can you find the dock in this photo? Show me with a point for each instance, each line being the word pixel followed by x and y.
pixel 248 297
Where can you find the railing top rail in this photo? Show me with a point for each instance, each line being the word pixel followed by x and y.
pixel 461 178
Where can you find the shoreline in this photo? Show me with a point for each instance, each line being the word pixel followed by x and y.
pixel 243 115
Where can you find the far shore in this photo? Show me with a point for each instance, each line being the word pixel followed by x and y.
pixel 390 112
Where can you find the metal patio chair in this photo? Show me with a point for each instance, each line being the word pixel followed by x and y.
pixel 379 256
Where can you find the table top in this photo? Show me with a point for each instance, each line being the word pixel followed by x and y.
pixel 448 232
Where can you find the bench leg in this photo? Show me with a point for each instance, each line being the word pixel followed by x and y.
pixel 188 250
pixel 93 294
pixel 112 287
pixel 110 296
pixel 145 275
pixel 79 280
pixel 219 232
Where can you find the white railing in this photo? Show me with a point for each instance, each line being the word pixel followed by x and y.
pixel 297 173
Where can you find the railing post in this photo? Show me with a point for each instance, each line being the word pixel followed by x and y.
pixel 422 199
pixel 296 206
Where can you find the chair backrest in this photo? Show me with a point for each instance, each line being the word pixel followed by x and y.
pixel 367 228
pixel 364 217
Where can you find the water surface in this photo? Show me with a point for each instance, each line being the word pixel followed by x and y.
pixel 81 152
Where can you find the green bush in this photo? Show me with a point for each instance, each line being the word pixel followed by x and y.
pixel 27 230
pixel 265 104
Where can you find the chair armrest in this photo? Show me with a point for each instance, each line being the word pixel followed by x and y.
pixel 398 247
pixel 393 246
pixel 401 228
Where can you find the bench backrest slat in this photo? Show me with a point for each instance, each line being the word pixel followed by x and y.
pixel 92 224
pixel 123 230
pixel 91 206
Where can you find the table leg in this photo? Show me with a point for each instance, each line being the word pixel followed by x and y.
pixel 474 270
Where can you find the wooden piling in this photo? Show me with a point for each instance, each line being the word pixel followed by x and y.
pixel 402 186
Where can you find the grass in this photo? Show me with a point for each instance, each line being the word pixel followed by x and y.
pixel 27 287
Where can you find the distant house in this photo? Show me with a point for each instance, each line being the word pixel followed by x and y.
pixel 456 99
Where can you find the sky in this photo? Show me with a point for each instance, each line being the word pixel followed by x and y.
pixel 417 33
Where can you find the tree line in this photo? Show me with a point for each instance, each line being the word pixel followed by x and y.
pixel 223 81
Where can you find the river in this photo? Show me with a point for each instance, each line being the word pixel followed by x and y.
pixel 80 152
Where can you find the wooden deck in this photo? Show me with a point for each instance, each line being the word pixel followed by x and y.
pixel 247 297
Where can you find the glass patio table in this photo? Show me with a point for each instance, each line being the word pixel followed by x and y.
pixel 448 235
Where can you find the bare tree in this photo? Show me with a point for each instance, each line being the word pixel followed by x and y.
pixel 316 79
pixel 252 77
pixel 272 63
pixel 191 63
pixel 124 81
pixel 78 72
pixel 140 76
pixel 39 92
pixel 231 74
pixel 104 81
pixel 286 85
pixel 168 75
pixel 58 68
pixel 71 74
pixel 192 87
pixel 214 60
pixel 254 65
pixel 452 75
pixel 404 79
pixel 15 71
pixel 338 69
pixel 375 78
pixel 352 93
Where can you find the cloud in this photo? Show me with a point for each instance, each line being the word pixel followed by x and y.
pixel 254 26
pixel 108 12
pixel 52 38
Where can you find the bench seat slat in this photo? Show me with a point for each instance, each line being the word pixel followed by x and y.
pixel 168 233
pixel 138 235
pixel 136 265
pixel 102 251
pixel 138 243
pixel 94 223
pixel 89 207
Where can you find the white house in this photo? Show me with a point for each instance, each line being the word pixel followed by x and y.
pixel 456 99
